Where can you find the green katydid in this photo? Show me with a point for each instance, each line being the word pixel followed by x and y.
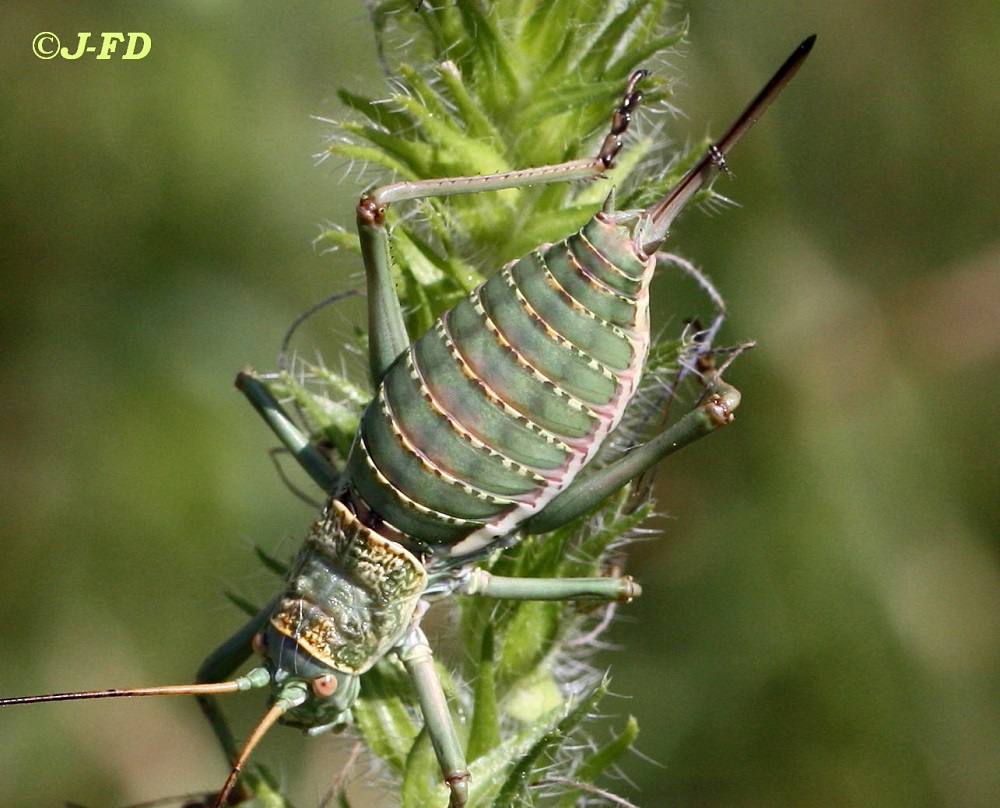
pixel 480 430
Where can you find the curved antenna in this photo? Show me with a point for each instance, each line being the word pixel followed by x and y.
pixel 257 678
pixel 301 318
pixel 291 695
pixel 663 213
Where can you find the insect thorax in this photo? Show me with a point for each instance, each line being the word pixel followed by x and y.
pixel 350 597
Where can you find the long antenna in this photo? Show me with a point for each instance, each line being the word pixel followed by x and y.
pixel 291 695
pixel 663 213
pixel 257 678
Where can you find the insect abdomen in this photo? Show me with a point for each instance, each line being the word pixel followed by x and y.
pixel 496 408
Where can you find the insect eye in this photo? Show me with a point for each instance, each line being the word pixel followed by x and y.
pixel 324 685
pixel 259 644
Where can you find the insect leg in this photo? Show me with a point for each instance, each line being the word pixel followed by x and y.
pixel 581 169
pixel 302 449
pixel 586 493
pixel 484 584
pixel 387 336
pixel 416 655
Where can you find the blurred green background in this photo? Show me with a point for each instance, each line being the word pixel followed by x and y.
pixel 821 623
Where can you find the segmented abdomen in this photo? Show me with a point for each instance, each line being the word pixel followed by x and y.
pixel 496 408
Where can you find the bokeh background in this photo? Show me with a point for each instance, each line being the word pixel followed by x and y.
pixel 821 617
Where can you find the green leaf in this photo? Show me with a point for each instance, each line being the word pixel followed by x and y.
pixel 484 730
pixel 382 715
pixel 609 754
